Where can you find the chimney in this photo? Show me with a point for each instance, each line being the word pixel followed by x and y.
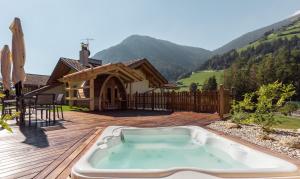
pixel 84 54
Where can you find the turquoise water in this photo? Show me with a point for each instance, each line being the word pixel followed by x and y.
pixel 162 152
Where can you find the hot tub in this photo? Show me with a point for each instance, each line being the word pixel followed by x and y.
pixel 174 152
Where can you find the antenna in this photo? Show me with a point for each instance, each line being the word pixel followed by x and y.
pixel 86 41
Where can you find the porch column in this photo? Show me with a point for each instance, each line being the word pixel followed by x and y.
pixel 130 96
pixel 92 95
pixel 70 94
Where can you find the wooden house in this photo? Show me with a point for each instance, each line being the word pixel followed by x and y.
pixel 34 81
pixel 102 86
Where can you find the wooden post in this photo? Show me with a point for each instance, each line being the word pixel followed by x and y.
pixel 172 101
pixel 221 101
pixel 152 101
pixel 70 94
pixel 195 101
pixel 92 96
pixel 136 100
pixel 130 96
pixel 144 101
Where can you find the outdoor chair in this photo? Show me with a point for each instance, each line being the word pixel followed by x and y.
pixel 59 105
pixel 29 104
pixel 8 105
pixel 45 102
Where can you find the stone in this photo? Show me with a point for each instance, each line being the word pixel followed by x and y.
pixel 231 125
pixel 264 136
pixel 293 142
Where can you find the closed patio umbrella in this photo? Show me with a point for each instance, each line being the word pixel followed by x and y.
pixel 6 69
pixel 18 55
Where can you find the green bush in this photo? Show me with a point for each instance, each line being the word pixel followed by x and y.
pixel 288 108
pixel 259 107
pixel 6 117
pixel 210 84
pixel 193 87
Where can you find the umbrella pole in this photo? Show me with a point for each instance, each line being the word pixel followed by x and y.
pixel 6 92
pixel 20 101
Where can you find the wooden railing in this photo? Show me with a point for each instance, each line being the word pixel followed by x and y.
pixel 200 101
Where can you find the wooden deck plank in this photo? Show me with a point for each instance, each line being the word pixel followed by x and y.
pixel 33 152
pixel 59 169
pixel 62 157
pixel 67 171
pixel 21 171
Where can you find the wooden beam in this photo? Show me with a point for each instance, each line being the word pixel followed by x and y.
pixel 89 73
pixel 77 88
pixel 92 95
pixel 149 71
pixel 130 71
pixel 78 99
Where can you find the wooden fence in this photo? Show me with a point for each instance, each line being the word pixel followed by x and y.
pixel 200 101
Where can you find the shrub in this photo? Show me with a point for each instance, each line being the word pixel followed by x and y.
pixel 259 107
pixel 6 117
pixel 288 108
pixel 210 84
pixel 193 87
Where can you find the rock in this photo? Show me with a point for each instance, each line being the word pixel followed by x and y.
pixel 293 142
pixel 264 136
pixel 253 134
pixel 298 131
pixel 231 125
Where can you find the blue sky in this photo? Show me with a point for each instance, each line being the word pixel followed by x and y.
pixel 54 29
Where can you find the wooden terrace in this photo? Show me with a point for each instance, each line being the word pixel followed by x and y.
pixel 50 152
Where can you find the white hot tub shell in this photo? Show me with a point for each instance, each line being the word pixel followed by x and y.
pixel 260 165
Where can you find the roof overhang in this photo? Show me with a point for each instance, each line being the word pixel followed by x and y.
pixel 118 69
pixel 152 74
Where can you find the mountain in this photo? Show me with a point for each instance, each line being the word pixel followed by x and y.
pixel 254 35
pixel 171 59
pixel 284 37
pixel 273 57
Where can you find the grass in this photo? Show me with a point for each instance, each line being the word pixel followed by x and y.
pixel 287 122
pixel 74 108
pixel 199 78
pixel 287 32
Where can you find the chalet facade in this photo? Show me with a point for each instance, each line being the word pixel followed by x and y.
pixel 34 81
pixel 102 86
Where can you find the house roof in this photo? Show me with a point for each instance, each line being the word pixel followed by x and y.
pixel 35 79
pixel 65 65
pixel 149 69
pixel 73 64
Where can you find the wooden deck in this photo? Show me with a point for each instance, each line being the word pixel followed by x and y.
pixel 51 152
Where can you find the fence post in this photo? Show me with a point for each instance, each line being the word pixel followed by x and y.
pixel 195 101
pixel 136 98
pixel 144 96
pixel 152 101
pixel 221 101
pixel 172 100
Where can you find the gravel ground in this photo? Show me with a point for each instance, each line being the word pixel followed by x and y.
pixel 252 133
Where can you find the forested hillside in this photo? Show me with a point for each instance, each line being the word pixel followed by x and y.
pixel 274 57
pixel 254 35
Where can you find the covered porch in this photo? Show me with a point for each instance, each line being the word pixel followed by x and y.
pixel 102 87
